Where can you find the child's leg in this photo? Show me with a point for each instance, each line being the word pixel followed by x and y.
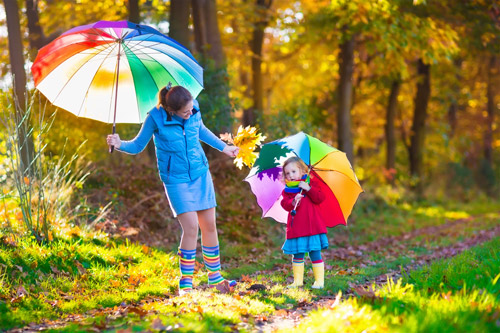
pixel 318 269
pixel 210 246
pixel 298 270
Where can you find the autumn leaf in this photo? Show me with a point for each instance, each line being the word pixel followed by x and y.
pixel 228 137
pixel 247 139
pixel 224 287
pixel 158 325
pixel 115 283
pixel 80 268
pixel 137 279
pixel 245 278
pixel 446 296
pixel 364 293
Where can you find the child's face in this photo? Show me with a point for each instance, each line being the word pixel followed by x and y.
pixel 292 172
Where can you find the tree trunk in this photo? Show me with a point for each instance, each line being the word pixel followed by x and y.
pixel 453 108
pixel 346 69
pixel 250 115
pixel 491 109
pixel 200 33
pixel 417 135
pixel 179 21
pixel 134 14
pixel 35 34
pixel 19 82
pixel 215 50
pixel 390 135
pixel 215 101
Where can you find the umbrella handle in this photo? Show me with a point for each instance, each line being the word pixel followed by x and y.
pixel 112 148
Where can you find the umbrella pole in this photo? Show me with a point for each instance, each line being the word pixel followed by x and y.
pixel 116 91
pixel 294 210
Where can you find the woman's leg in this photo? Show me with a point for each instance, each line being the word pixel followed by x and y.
pixel 208 228
pixel 318 269
pixel 298 270
pixel 210 246
pixel 187 250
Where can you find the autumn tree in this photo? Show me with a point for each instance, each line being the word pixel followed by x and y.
pixel 215 99
pixel 16 55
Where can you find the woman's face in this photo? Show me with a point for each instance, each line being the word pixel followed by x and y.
pixel 292 172
pixel 186 111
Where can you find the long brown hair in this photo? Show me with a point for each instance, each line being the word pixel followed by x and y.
pixel 173 98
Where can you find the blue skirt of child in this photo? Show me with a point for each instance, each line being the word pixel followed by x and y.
pixel 305 244
pixel 198 194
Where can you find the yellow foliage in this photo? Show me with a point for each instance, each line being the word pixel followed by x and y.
pixel 247 139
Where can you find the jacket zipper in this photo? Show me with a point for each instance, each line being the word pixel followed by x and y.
pixel 187 157
pixel 168 167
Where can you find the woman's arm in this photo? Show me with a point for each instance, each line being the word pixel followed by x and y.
pixel 210 138
pixel 138 144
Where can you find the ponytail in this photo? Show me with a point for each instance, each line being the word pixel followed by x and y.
pixel 173 99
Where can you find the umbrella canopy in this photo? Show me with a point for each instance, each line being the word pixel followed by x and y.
pixel 95 69
pixel 329 164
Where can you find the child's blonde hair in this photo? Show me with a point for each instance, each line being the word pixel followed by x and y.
pixel 302 166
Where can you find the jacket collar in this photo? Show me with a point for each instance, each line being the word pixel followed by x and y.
pixel 174 120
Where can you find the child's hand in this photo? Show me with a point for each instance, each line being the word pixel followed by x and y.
pixel 297 198
pixel 304 186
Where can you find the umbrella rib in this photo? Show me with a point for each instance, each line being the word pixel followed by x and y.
pixel 149 73
pixel 88 89
pixel 65 84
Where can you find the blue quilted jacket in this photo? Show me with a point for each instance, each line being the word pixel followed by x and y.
pixel 179 153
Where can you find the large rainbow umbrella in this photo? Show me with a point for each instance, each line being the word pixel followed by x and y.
pixel 112 71
pixel 329 164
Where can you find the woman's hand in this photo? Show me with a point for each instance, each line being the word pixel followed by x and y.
pixel 231 151
pixel 114 140
pixel 304 186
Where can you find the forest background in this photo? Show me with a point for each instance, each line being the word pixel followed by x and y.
pixel 408 89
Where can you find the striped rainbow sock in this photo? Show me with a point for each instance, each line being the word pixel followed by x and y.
pixel 186 264
pixel 211 258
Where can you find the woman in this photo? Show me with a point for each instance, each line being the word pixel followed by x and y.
pixel 177 129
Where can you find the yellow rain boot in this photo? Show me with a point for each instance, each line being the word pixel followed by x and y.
pixel 298 275
pixel 319 275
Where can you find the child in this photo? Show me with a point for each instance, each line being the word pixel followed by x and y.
pixel 305 228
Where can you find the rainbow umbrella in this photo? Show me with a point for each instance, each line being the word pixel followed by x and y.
pixel 329 164
pixel 112 71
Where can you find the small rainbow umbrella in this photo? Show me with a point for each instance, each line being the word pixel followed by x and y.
pixel 329 164
pixel 112 71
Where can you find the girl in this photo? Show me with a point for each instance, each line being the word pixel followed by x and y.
pixel 305 228
pixel 177 128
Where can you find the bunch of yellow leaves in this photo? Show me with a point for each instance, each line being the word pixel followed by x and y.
pixel 247 139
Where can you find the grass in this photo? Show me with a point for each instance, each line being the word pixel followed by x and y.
pixel 461 294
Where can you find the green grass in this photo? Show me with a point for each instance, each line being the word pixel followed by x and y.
pixel 468 299
pixel 76 275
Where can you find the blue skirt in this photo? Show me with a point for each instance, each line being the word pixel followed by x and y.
pixel 305 244
pixel 198 194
